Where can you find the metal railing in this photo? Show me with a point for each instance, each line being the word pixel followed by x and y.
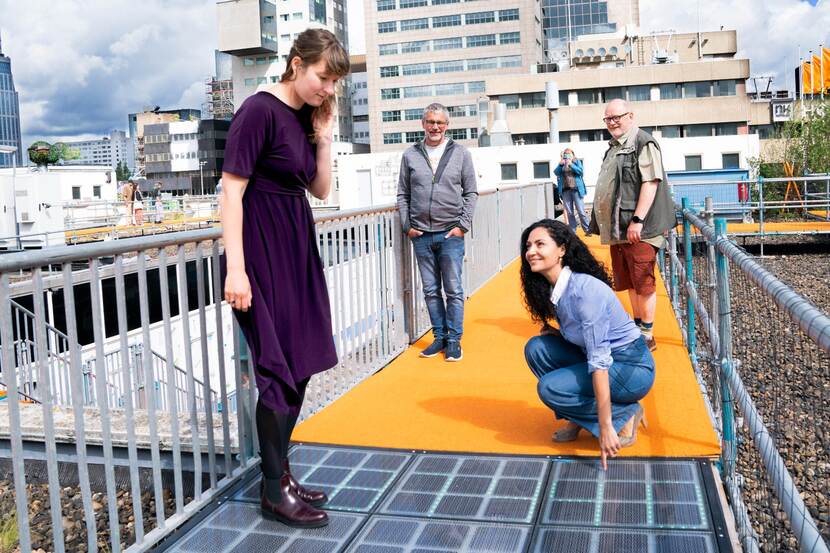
pixel 181 459
pixel 757 347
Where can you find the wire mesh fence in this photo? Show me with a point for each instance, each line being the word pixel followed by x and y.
pixel 779 377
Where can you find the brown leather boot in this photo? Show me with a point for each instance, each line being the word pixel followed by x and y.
pixel 291 510
pixel 314 498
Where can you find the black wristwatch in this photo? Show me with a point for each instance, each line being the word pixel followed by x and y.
pixel 635 219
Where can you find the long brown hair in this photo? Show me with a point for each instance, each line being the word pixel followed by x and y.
pixel 311 46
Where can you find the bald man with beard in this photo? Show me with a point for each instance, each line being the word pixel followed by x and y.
pixel 633 208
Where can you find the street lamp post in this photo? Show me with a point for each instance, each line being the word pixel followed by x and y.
pixel 12 151
pixel 201 178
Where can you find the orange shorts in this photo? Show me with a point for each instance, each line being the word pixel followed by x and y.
pixel 633 266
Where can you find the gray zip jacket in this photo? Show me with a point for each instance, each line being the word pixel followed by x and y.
pixel 439 202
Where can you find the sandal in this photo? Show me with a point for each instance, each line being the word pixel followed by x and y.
pixel 639 417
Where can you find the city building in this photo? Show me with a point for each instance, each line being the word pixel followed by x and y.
pixel 109 150
pixel 679 85
pixel 359 98
pixel 185 156
pixel 219 89
pixel 420 51
pixel 563 21
pixel 152 116
pixel 248 32
pixel 9 112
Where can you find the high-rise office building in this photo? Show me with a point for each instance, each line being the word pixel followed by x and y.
pixel 422 51
pixel 565 20
pixel 9 111
pixel 258 34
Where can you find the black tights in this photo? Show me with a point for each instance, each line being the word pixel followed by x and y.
pixel 274 430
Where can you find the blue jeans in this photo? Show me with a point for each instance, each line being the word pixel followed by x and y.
pixel 573 204
pixel 439 260
pixel 565 385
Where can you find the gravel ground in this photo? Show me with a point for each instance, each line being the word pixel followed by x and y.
pixel 788 379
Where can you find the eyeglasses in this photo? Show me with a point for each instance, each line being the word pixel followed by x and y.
pixel 614 118
pixel 431 122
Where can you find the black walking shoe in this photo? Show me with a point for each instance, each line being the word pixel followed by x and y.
pixel 453 352
pixel 434 348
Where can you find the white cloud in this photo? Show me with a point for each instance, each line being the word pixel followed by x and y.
pixel 769 31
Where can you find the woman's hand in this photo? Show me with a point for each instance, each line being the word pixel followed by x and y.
pixel 609 445
pixel 238 290
pixel 323 122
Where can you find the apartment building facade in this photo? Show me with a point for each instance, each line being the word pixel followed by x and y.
pixel 420 51
pixel 109 150
pixel 678 85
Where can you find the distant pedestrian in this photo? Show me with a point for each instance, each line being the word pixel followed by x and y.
pixel 436 198
pixel 571 188
pixel 632 210
pixel 279 147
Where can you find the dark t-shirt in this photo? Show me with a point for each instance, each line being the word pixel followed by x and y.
pixel 268 144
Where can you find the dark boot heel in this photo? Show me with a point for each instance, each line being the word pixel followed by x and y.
pixel 291 509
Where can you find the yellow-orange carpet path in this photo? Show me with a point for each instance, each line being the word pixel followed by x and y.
pixel 487 403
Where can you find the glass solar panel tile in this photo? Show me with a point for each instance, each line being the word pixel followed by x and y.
pixel 631 493
pixel 601 540
pixel 472 488
pixel 410 535
pixel 208 540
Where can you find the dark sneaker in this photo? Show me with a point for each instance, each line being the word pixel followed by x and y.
pixel 453 352
pixel 650 342
pixel 434 348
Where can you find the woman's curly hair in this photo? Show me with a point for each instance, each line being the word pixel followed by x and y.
pixel 536 288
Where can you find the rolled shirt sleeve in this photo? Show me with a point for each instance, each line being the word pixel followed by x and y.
pixel 650 163
pixel 594 316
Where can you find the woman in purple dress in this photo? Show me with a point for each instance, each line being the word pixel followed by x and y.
pixel 279 146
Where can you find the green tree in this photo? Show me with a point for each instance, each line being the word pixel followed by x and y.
pixel 122 172
pixel 807 141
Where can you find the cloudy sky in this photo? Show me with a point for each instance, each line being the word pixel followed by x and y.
pixel 81 66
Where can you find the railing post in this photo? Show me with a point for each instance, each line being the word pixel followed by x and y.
pixel 761 211
pixel 710 250
pixel 672 269
pixel 690 277
pixel 728 446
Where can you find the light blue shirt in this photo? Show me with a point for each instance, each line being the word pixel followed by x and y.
pixel 591 317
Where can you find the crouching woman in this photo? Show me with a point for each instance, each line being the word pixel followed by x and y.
pixel 595 368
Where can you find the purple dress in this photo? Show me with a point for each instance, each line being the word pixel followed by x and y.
pixel 288 327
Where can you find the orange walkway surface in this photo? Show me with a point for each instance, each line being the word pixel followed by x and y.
pixel 789 226
pixel 487 403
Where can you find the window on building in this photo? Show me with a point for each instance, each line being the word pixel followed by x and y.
pixel 250 82
pixel 413 114
pixel 694 163
pixel 451 66
pixel 671 131
pixel 248 61
pixel 509 171
pixel 387 26
pixel 387 49
pixel 414 136
pixel 76 192
pixel 591 136
pixel 261 80
pixel 473 134
pixel 386 5
pixel 389 71
pixel 588 96
pixel 731 161
pixel 671 91
pixel 389 116
pixel 613 92
pixel 439 2
pixel 457 134
pixel 446 21
pixel 510 61
pixel 724 88
pixel 296 16
pixel 639 93
pixel 541 169
pixel 481 40
pixel 449 89
pixel 482 63
pixel 413 3
pixel 509 15
pixel 414 24
pixel 532 100
pixel 565 136
pixel 96 191
pixel 479 17
pixel 510 38
pixel 392 138
pixel 417 46
pixel 697 130
pixel 700 89
pixel 726 129
pixel 447 43
pixel 510 100
pixel 563 97
pixel 417 91
pixel 390 93
pixel 475 86
pixel 417 69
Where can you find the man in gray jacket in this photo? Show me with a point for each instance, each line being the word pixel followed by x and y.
pixel 436 198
